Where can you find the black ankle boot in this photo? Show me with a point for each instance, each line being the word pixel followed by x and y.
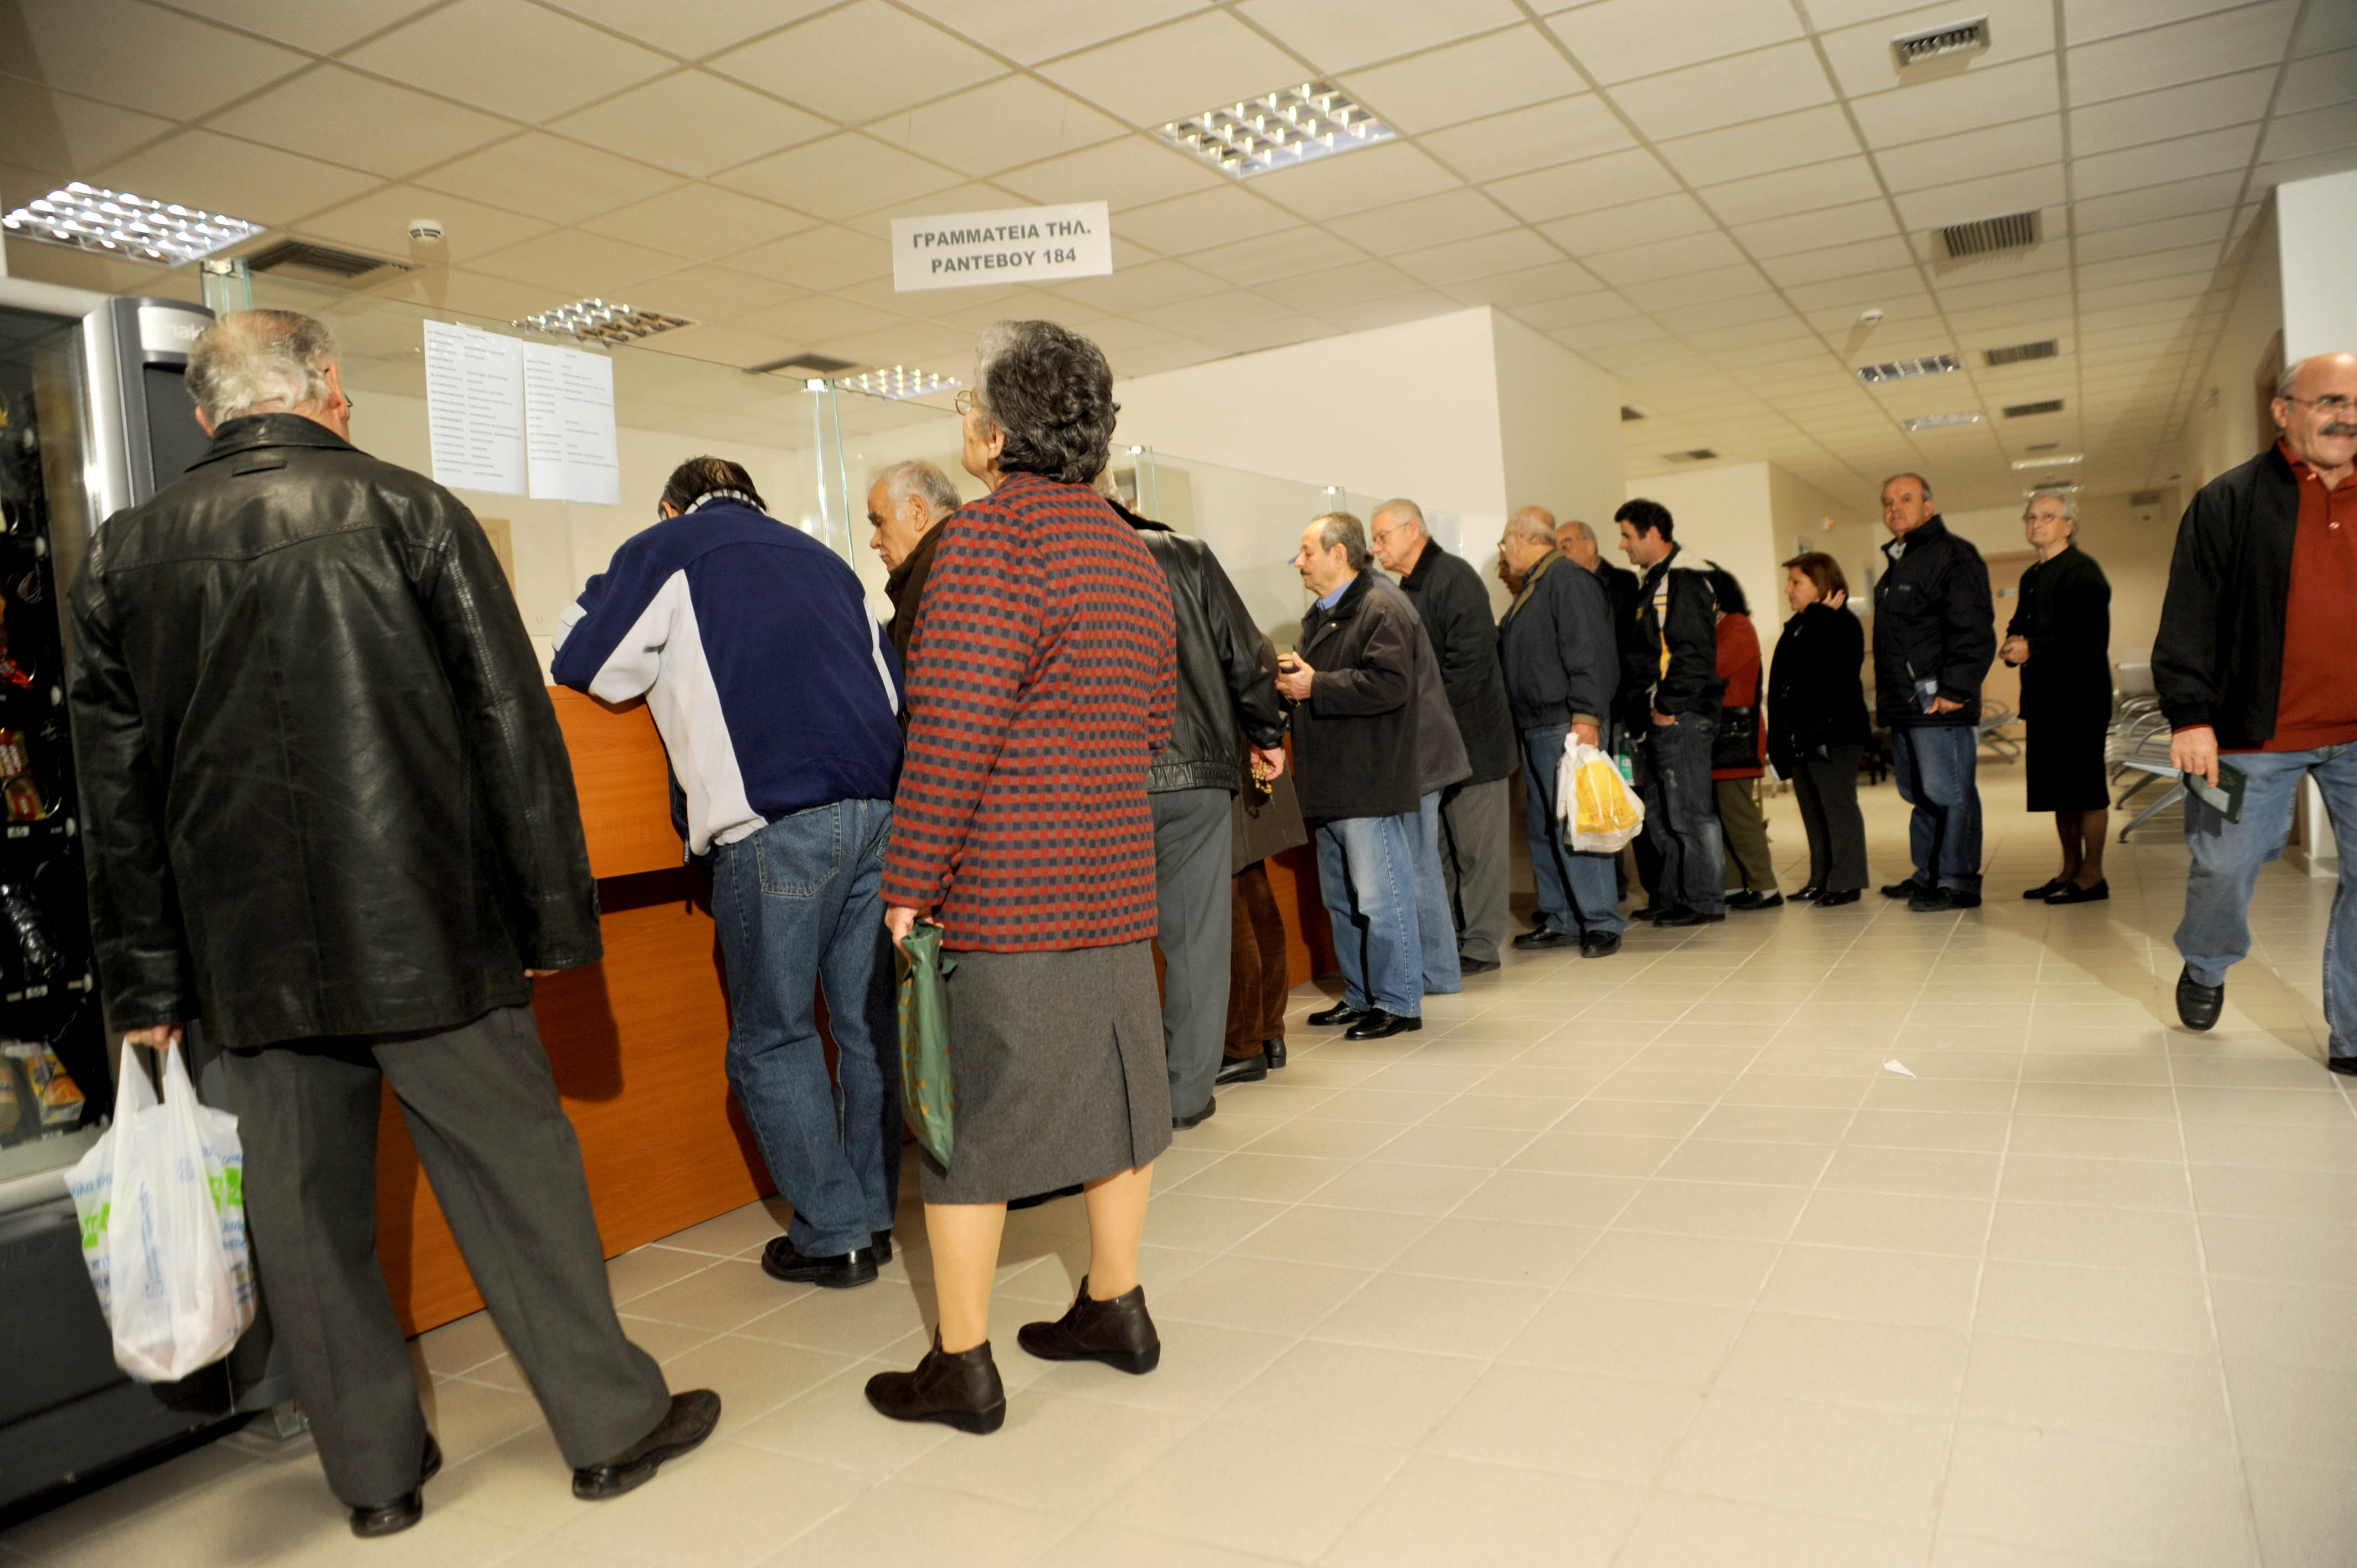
pixel 1117 1332
pixel 961 1390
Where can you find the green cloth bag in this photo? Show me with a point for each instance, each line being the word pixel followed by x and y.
pixel 927 1097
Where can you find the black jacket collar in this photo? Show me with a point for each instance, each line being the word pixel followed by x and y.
pixel 1425 561
pixel 1658 569
pixel 1930 530
pixel 254 431
pixel 1344 608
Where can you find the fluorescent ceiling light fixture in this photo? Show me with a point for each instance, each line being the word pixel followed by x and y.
pixel 1942 421
pixel 898 383
pixel 595 321
pixel 1277 130
pixel 2034 492
pixel 2021 462
pixel 1906 370
pixel 117 223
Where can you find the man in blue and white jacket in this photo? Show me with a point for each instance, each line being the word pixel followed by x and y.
pixel 777 696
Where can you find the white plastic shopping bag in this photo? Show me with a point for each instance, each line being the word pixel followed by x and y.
pixel 1600 813
pixel 162 1202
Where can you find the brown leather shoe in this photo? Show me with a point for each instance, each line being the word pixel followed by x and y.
pixel 961 1390
pixel 1117 1332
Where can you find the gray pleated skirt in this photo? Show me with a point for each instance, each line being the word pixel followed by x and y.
pixel 1058 1067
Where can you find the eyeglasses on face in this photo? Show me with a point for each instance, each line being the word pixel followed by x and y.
pixel 964 402
pixel 2331 404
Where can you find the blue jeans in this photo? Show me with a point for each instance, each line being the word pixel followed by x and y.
pixel 1366 875
pixel 1682 814
pixel 1935 768
pixel 798 909
pixel 1577 893
pixel 1436 926
pixel 2216 933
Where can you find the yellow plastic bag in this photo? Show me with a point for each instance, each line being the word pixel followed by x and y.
pixel 1601 813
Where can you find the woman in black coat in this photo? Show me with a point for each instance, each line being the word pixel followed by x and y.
pixel 1817 728
pixel 2061 638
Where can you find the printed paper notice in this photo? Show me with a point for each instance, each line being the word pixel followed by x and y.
pixel 1024 244
pixel 569 412
pixel 475 408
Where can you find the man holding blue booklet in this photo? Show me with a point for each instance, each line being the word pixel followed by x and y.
pixel 2249 663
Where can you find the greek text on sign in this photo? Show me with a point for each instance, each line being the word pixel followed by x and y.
pixel 1027 244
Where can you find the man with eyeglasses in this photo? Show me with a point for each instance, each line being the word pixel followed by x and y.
pixel 2252 661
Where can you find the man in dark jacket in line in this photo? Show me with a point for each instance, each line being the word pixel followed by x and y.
pixel 1562 665
pixel 2252 660
pixel 1934 636
pixel 1440 764
pixel 1351 682
pixel 1577 541
pixel 1454 603
pixel 348 865
pixel 906 505
pixel 1669 692
pixel 1223 691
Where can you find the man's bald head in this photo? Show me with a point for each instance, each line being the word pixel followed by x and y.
pixel 1577 541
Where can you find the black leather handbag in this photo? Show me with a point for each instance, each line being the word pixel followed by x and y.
pixel 1736 744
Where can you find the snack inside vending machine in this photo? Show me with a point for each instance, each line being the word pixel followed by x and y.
pixel 94 416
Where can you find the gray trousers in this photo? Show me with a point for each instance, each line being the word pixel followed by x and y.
pixel 1193 837
pixel 1476 857
pixel 482 1109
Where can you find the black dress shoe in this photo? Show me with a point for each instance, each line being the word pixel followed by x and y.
pixel 1598 944
pixel 1547 937
pixel 2345 1065
pixel 1379 1024
pixel 2071 892
pixel 1836 900
pixel 1943 900
pixel 1341 1013
pixel 1117 1332
pixel 2197 1005
pixel 841 1271
pixel 1747 900
pixel 1652 912
pixel 393 1518
pixel 1180 1123
pixel 2046 889
pixel 1275 1051
pixel 1909 888
pixel 1807 895
pixel 1037 1199
pixel 1252 1069
pixel 1476 965
pixel 882 1241
pixel 1676 918
pixel 961 1390
pixel 689 1421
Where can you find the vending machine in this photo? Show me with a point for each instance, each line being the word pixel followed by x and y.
pixel 94 416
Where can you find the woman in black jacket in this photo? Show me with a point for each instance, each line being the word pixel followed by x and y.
pixel 2061 639
pixel 1817 727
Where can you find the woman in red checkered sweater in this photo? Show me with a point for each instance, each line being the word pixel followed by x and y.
pixel 1040 684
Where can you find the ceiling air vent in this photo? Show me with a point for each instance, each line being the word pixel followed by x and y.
pixel 2014 353
pixel 1697 455
pixel 2024 410
pixel 1628 414
pixel 301 256
pixel 2146 498
pixel 1941 43
pixel 1985 236
pixel 808 364
pixel 1905 369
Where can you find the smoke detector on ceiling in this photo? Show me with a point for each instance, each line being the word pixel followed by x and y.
pixel 1953 41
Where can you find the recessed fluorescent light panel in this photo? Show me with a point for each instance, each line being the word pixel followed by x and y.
pixel 595 321
pixel 1942 421
pixel 1906 370
pixel 1277 130
pixel 898 383
pixel 2062 461
pixel 117 223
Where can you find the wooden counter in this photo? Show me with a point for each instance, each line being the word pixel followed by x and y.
pixel 639 1041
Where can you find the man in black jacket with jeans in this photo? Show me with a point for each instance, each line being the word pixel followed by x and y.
pixel 1934 636
pixel 1669 694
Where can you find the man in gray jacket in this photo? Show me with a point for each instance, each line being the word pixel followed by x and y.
pixel 1563 665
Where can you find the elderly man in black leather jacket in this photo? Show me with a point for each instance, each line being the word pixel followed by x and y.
pixel 330 815
pixel 1192 785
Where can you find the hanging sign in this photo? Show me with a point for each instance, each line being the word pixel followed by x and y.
pixel 1024 244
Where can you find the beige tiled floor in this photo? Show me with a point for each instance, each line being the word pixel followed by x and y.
pixel 1646 1261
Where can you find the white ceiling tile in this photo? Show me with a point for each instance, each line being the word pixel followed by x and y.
pixel 378 223
pixel 1389 311
pixel 139 57
pixel 1525 285
pixel 1843 182
pixel 2159 163
pixel 1206 219
pixel 574 264
pixel 1534 137
pixel 1338 38
pixel 839 177
pixel 1863 61
pixel 1984 95
pixel 1604 333
pixel 1971 154
pixel 1884 289
pixel 1623 38
pixel 1178 69
pixel 2176 111
pixel 1315 292
pixel 1499 71
pixel 470 294
pixel 717 293
pixel 549 178
pixel 2170 236
pixel 2267 175
pixel 2087 20
pixel 1276 334
pixel 1427 221
pixel 1839 262
pixel 1259 263
pixel 1353 182
pixel 859 62
pixel 1786 141
pixel 1773 80
pixel 2144 291
pixel 998 125
pixel 1855 222
pixel 970 196
pixel 405 132
pixel 1040 29
pixel 1123 174
pixel 817 258
pixel 821 317
pixel 2326 27
pixel 1195 318
pixel 2318 82
pixel 1176 354
pixel 920 343
pixel 1138 288
pixel 2186 51
pixel 1662 295
pixel 1612 180
pixel 1577 310
pixel 2154 203
pixel 245 180
pixel 508 57
pixel 1472 258
pixel 2300 135
pixel 305 24
pixel 693 123
pixel 695 30
pixel 66 136
pixel 1638 223
pixel 1973 198
pixel 702 221
pixel 1962 291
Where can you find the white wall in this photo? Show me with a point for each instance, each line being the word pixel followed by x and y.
pixel 2317 223
pixel 2226 427
pixel 1723 514
pixel 1559 429
pixel 1805 517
